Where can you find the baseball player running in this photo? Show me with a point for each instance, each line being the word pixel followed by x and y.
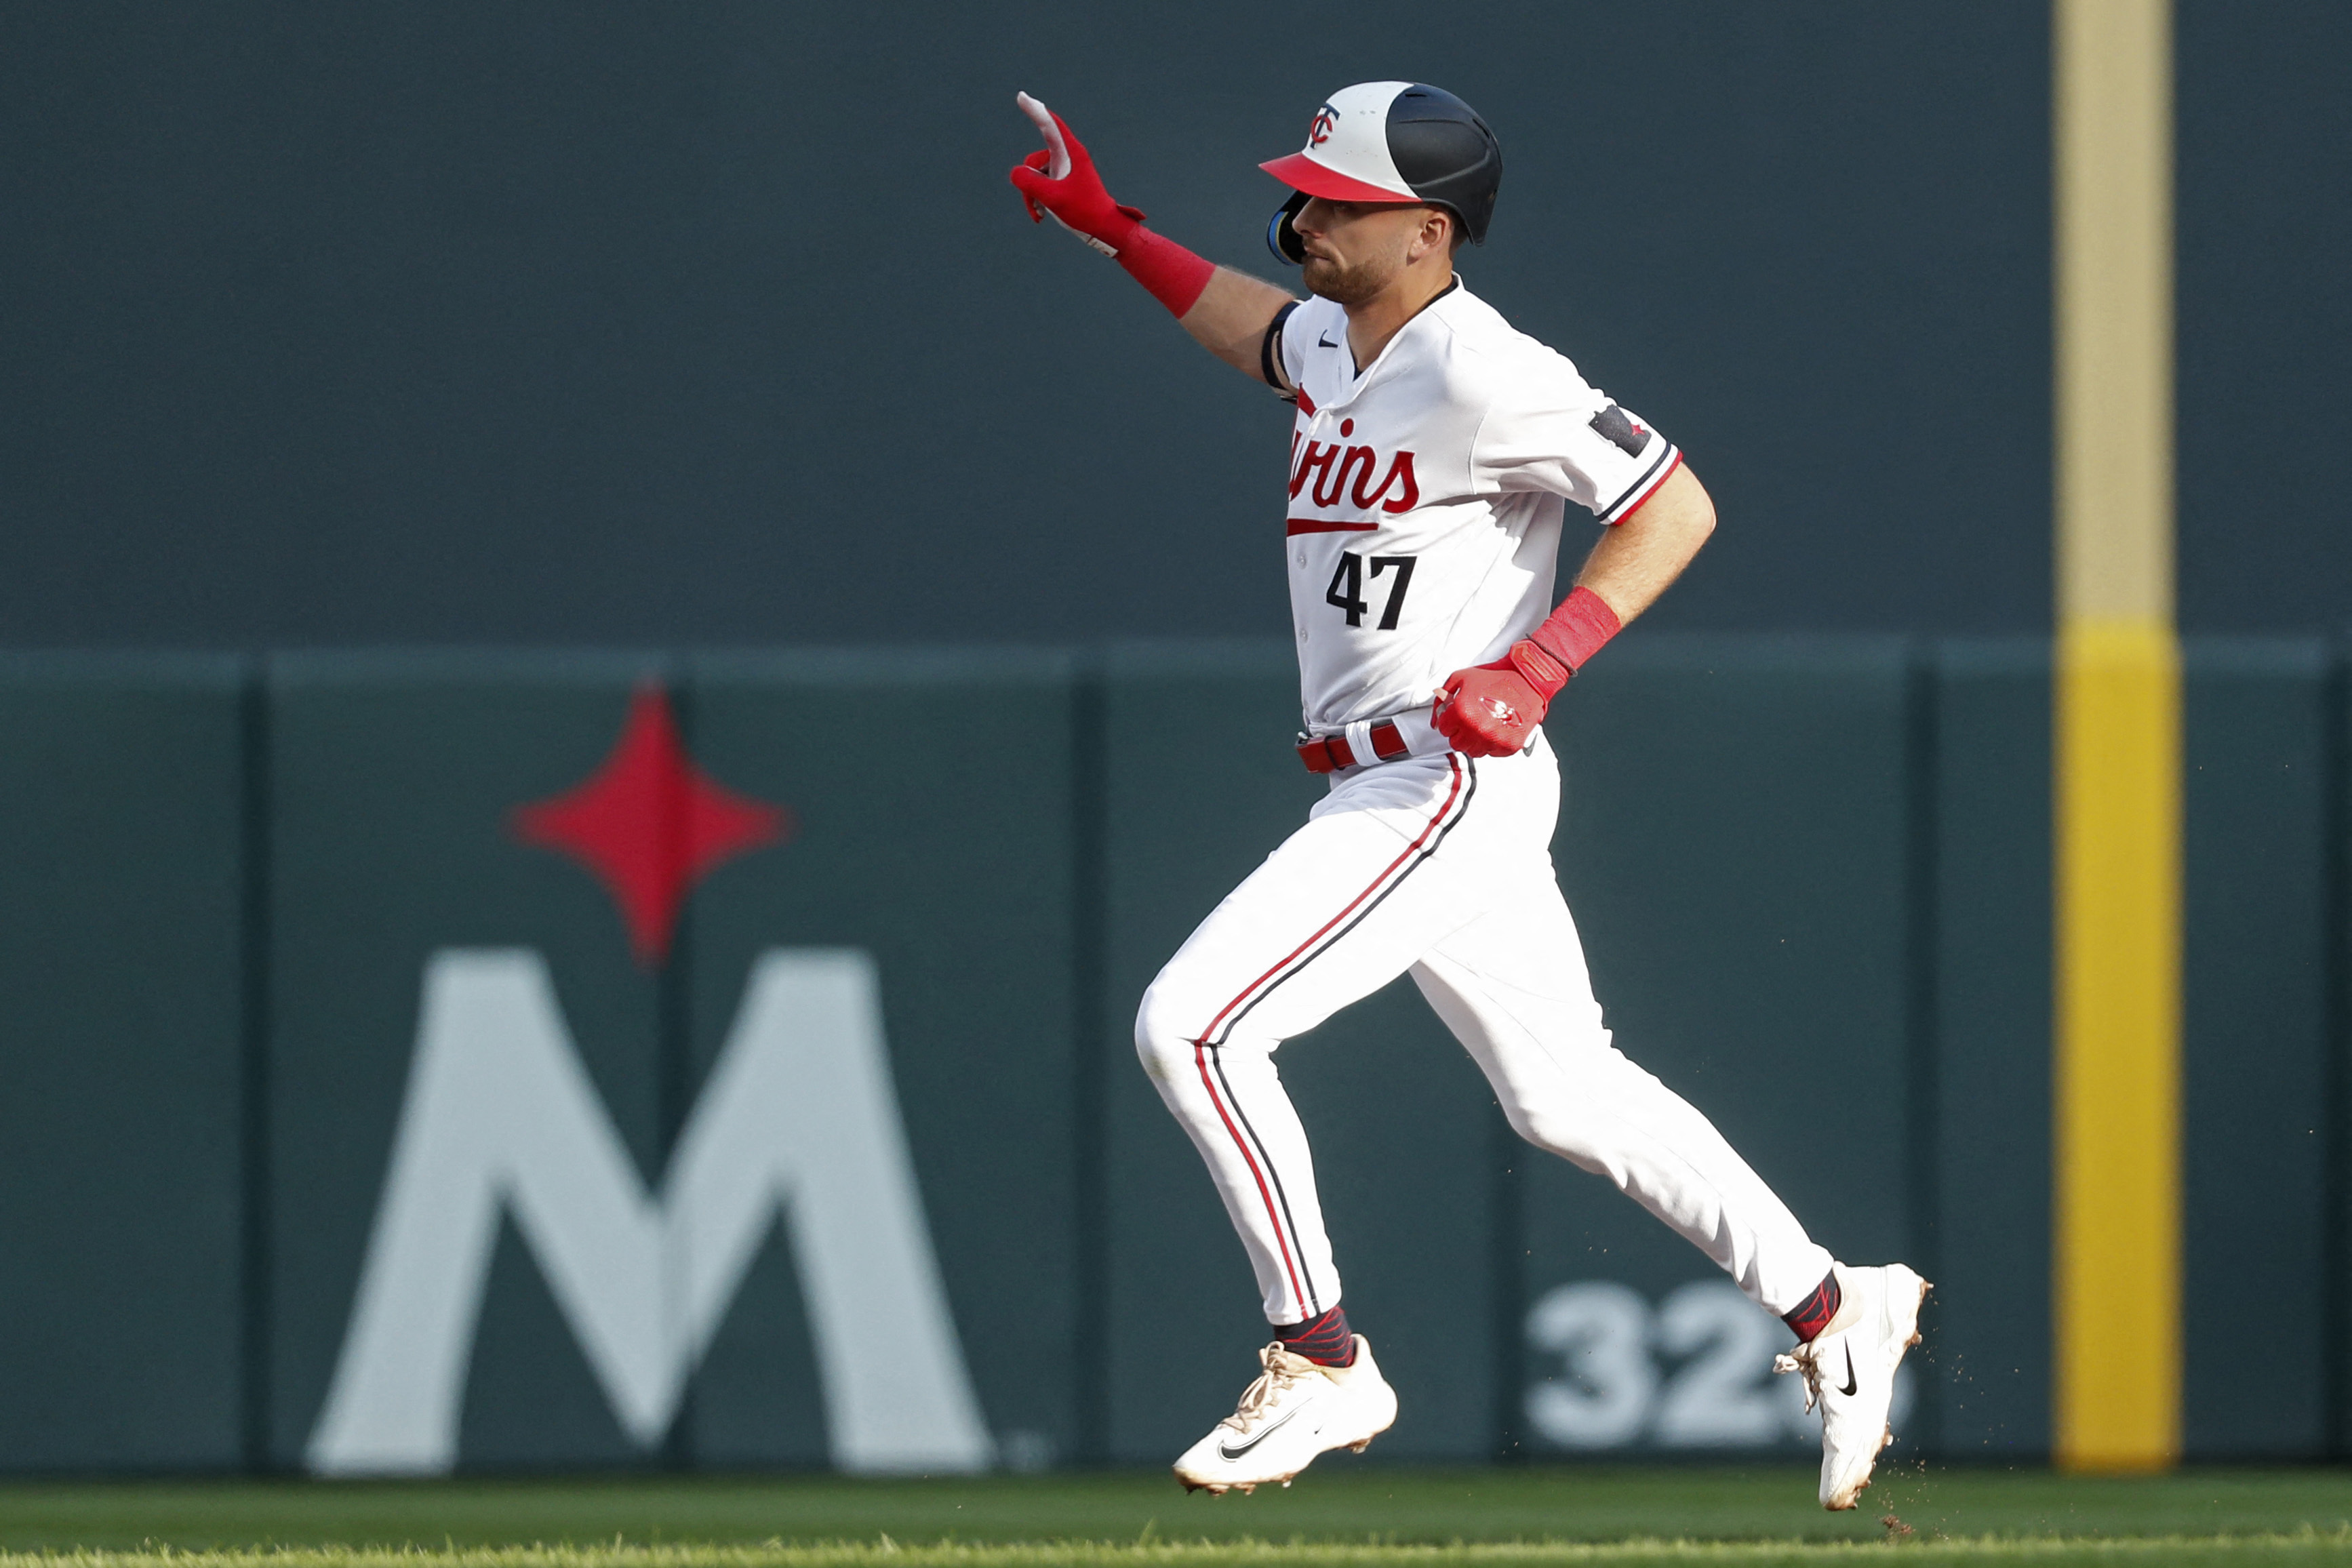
pixel 1433 451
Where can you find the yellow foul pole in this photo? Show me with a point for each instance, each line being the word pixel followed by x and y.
pixel 2117 1177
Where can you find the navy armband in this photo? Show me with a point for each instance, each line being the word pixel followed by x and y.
pixel 1269 357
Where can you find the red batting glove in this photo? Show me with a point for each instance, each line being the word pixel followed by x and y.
pixel 1492 710
pixel 1075 198
pixel 1058 181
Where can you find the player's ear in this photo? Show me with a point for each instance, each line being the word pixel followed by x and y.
pixel 1437 226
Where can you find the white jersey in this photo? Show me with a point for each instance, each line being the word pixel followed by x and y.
pixel 1426 496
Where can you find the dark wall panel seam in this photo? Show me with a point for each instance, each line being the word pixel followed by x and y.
pixel 2336 823
pixel 256 1345
pixel 1510 1288
pixel 1921 982
pixel 674 1045
pixel 1090 1002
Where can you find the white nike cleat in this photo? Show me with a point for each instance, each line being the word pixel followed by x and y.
pixel 1296 1410
pixel 1849 1372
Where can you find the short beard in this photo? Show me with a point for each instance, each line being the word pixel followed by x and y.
pixel 1349 285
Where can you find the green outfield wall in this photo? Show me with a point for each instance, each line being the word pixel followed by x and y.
pixel 432 1061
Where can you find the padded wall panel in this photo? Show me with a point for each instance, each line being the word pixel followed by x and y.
pixel 393 782
pixel 1989 1321
pixel 2255 1074
pixel 1734 848
pixel 121 839
pixel 953 867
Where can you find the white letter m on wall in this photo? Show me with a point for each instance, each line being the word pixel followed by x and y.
pixel 799 1113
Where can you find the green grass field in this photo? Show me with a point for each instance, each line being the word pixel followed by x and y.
pixel 1355 1514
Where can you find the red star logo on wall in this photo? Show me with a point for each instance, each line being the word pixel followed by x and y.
pixel 650 824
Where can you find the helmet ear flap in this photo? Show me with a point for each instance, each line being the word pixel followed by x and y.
pixel 1283 239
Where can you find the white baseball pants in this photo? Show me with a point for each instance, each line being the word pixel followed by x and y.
pixel 1440 866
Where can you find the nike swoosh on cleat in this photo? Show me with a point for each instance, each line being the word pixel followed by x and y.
pixel 1253 1442
pixel 1851 1386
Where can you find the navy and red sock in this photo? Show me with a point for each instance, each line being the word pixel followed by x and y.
pixel 1325 1340
pixel 1812 1314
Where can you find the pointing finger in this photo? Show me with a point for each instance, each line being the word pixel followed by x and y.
pixel 1050 128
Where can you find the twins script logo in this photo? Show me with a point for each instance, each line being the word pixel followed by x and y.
pixel 1327 120
pixel 1338 471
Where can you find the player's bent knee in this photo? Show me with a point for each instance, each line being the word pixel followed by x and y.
pixel 1161 1042
pixel 1523 1122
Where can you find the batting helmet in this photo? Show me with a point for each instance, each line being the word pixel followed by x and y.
pixel 1391 141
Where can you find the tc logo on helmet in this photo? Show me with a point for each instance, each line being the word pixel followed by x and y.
pixel 1327 120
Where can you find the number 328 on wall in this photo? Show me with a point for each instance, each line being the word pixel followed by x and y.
pixel 1599 1381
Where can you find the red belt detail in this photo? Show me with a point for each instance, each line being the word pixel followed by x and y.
pixel 1330 753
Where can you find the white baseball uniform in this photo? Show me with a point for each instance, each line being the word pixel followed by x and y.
pixel 1426 495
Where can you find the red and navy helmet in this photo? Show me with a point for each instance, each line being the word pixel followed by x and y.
pixel 1392 142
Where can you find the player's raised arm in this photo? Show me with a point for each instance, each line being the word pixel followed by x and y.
pixel 1226 312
